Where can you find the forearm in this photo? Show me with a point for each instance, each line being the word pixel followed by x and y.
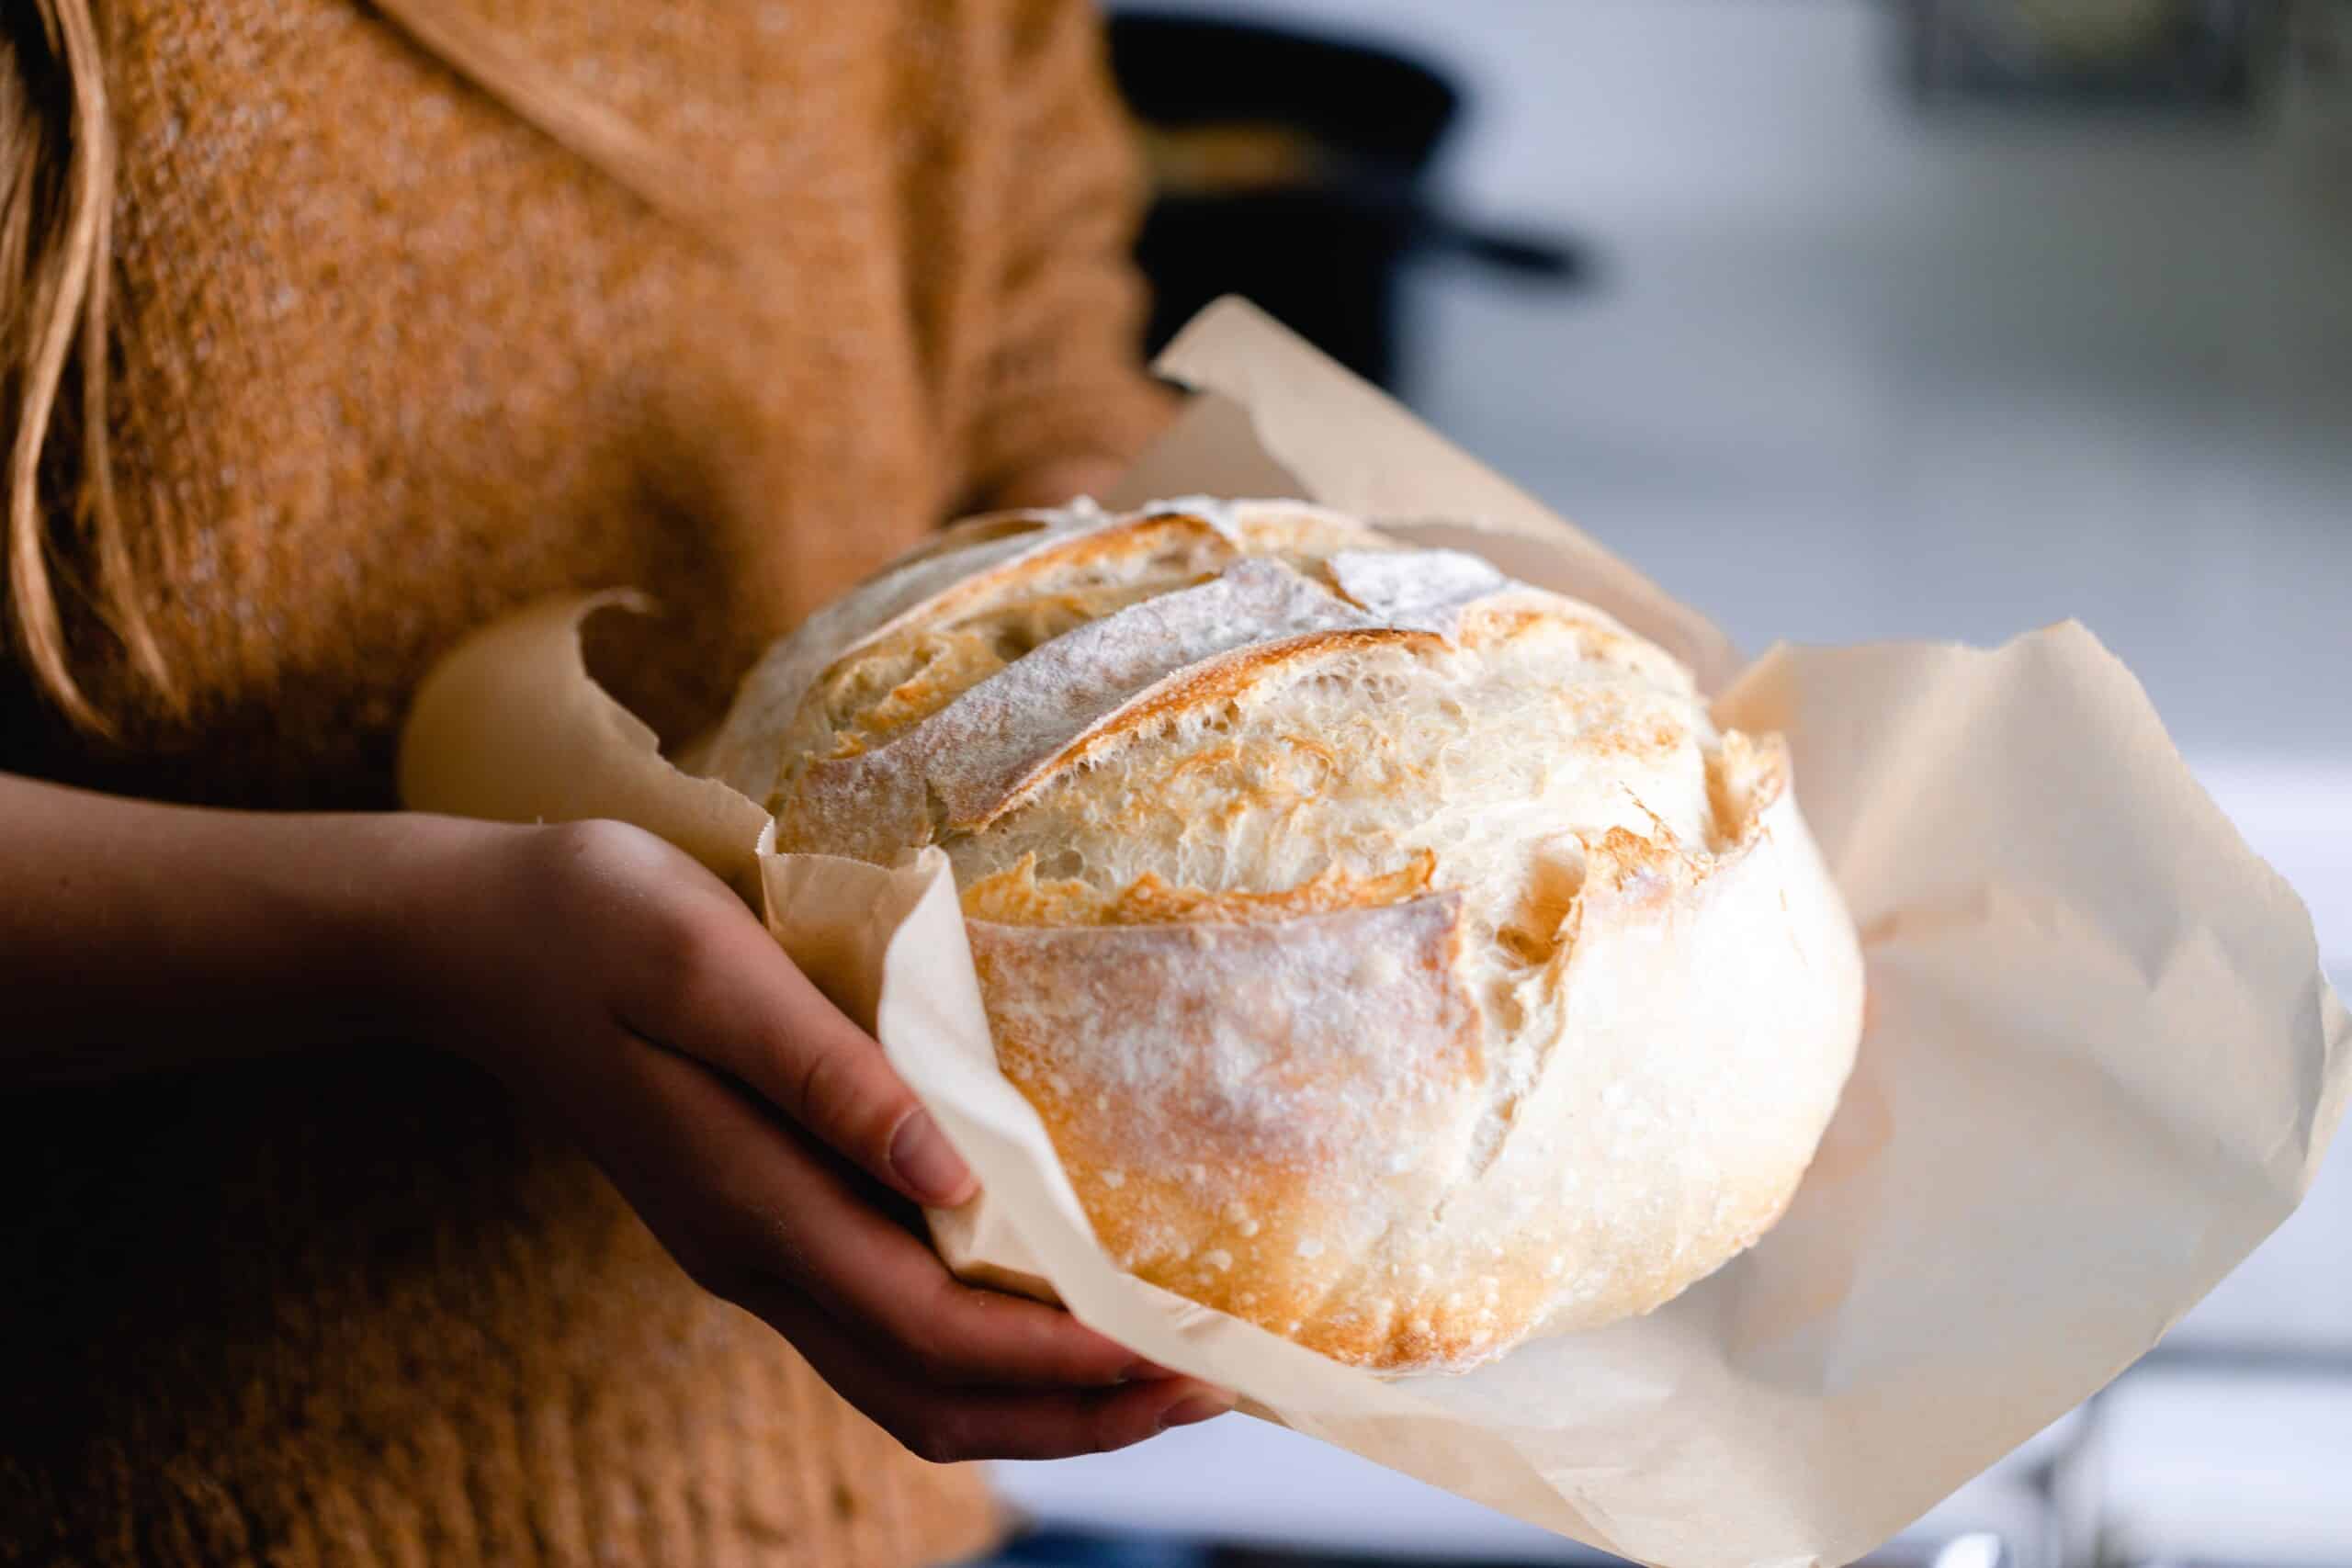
pixel 135 936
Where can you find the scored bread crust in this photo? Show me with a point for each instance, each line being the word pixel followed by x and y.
pixel 1397 957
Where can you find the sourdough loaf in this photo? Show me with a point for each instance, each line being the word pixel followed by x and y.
pixel 1397 957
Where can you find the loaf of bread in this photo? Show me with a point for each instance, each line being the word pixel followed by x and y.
pixel 1397 957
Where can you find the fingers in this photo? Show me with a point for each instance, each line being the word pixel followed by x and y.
pixel 718 1031
pixel 948 1425
pixel 774 1208
pixel 736 1001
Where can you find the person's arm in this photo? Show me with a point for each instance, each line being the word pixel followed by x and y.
pixel 136 936
pixel 608 977
pixel 1066 401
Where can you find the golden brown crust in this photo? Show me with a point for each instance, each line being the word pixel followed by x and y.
pixel 1015 897
pixel 1192 692
pixel 1396 956
pixel 1242 1154
pixel 1127 544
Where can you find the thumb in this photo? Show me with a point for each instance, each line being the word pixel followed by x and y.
pixel 758 1018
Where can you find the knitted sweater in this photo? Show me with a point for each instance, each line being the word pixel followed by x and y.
pixel 390 362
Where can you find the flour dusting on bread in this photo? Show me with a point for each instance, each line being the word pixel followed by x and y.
pixel 1397 953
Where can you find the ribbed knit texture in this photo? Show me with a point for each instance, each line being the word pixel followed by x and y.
pixel 361 1315
pixel 390 364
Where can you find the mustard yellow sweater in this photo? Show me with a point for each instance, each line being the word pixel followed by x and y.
pixel 389 363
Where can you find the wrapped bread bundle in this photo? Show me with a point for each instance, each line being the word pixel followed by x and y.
pixel 1395 952
pixel 2080 978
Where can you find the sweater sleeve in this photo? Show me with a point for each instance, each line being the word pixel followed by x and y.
pixel 1063 378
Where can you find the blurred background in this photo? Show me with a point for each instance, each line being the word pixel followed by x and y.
pixel 1846 320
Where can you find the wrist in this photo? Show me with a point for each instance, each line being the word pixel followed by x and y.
pixel 414 931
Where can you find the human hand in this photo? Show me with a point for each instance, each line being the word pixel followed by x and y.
pixel 759 1133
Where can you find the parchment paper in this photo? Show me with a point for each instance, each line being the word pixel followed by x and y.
pixel 2100 1062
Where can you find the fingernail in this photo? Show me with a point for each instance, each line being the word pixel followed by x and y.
pixel 921 1154
pixel 1194 1408
pixel 1140 1371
